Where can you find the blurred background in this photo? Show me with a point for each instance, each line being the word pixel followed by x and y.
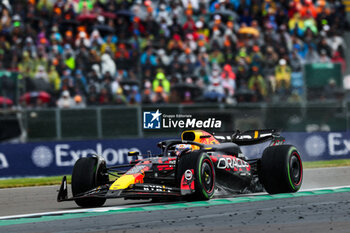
pixel 87 69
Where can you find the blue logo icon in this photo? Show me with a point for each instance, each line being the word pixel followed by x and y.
pixel 152 120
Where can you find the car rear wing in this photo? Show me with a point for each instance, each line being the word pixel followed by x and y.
pixel 250 137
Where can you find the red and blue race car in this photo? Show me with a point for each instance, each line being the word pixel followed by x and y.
pixel 193 168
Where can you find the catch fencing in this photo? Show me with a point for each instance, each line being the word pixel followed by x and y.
pixel 127 122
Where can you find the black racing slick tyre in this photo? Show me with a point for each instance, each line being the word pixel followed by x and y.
pixel 87 174
pixel 204 173
pixel 281 169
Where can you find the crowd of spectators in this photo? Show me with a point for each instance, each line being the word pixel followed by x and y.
pixel 118 52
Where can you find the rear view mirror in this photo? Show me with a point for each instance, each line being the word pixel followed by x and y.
pixel 133 153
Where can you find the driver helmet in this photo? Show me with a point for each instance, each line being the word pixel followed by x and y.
pixel 181 147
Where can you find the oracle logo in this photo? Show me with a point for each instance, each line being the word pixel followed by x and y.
pixel 224 163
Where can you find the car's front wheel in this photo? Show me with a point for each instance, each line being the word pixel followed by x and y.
pixel 204 173
pixel 88 174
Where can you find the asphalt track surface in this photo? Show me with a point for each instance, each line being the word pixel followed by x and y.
pixel 319 211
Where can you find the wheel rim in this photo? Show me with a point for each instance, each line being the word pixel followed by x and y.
pixel 295 169
pixel 207 176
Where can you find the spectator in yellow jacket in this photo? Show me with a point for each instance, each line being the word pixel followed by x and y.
pixel 257 83
pixel 27 65
pixel 108 46
pixel 54 78
pixel 161 80
pixel 283 74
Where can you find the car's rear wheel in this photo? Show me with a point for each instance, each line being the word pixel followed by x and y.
pixel 281 169
pixel 88 174
pixel 204 173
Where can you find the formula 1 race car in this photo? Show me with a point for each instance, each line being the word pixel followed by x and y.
pixel 192 168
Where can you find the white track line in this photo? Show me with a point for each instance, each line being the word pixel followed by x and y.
pixel 326 168
pixel 105 209
pixel 82 210
pixel 324 188
pixel 61 212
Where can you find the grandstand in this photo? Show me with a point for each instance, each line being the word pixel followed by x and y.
pixel 83 54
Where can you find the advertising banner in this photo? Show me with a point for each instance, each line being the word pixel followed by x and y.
pixel 320 145
pixel 57 158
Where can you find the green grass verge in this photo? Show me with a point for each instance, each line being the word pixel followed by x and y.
pixel 327 163
pixel 56 180
pixel 25 182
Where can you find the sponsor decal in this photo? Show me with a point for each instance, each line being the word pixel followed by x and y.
pixel 315 145
pixel 157 120
pixel 157 188
pixel 3 161
pixel 42 156
pixel 234 162
pixel 188 174
pixel 152 120
pixel 187 184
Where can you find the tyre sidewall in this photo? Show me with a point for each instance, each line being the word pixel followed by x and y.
pixel 275 172
pixel 194 160
pixel 293 152
pixel 200 189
